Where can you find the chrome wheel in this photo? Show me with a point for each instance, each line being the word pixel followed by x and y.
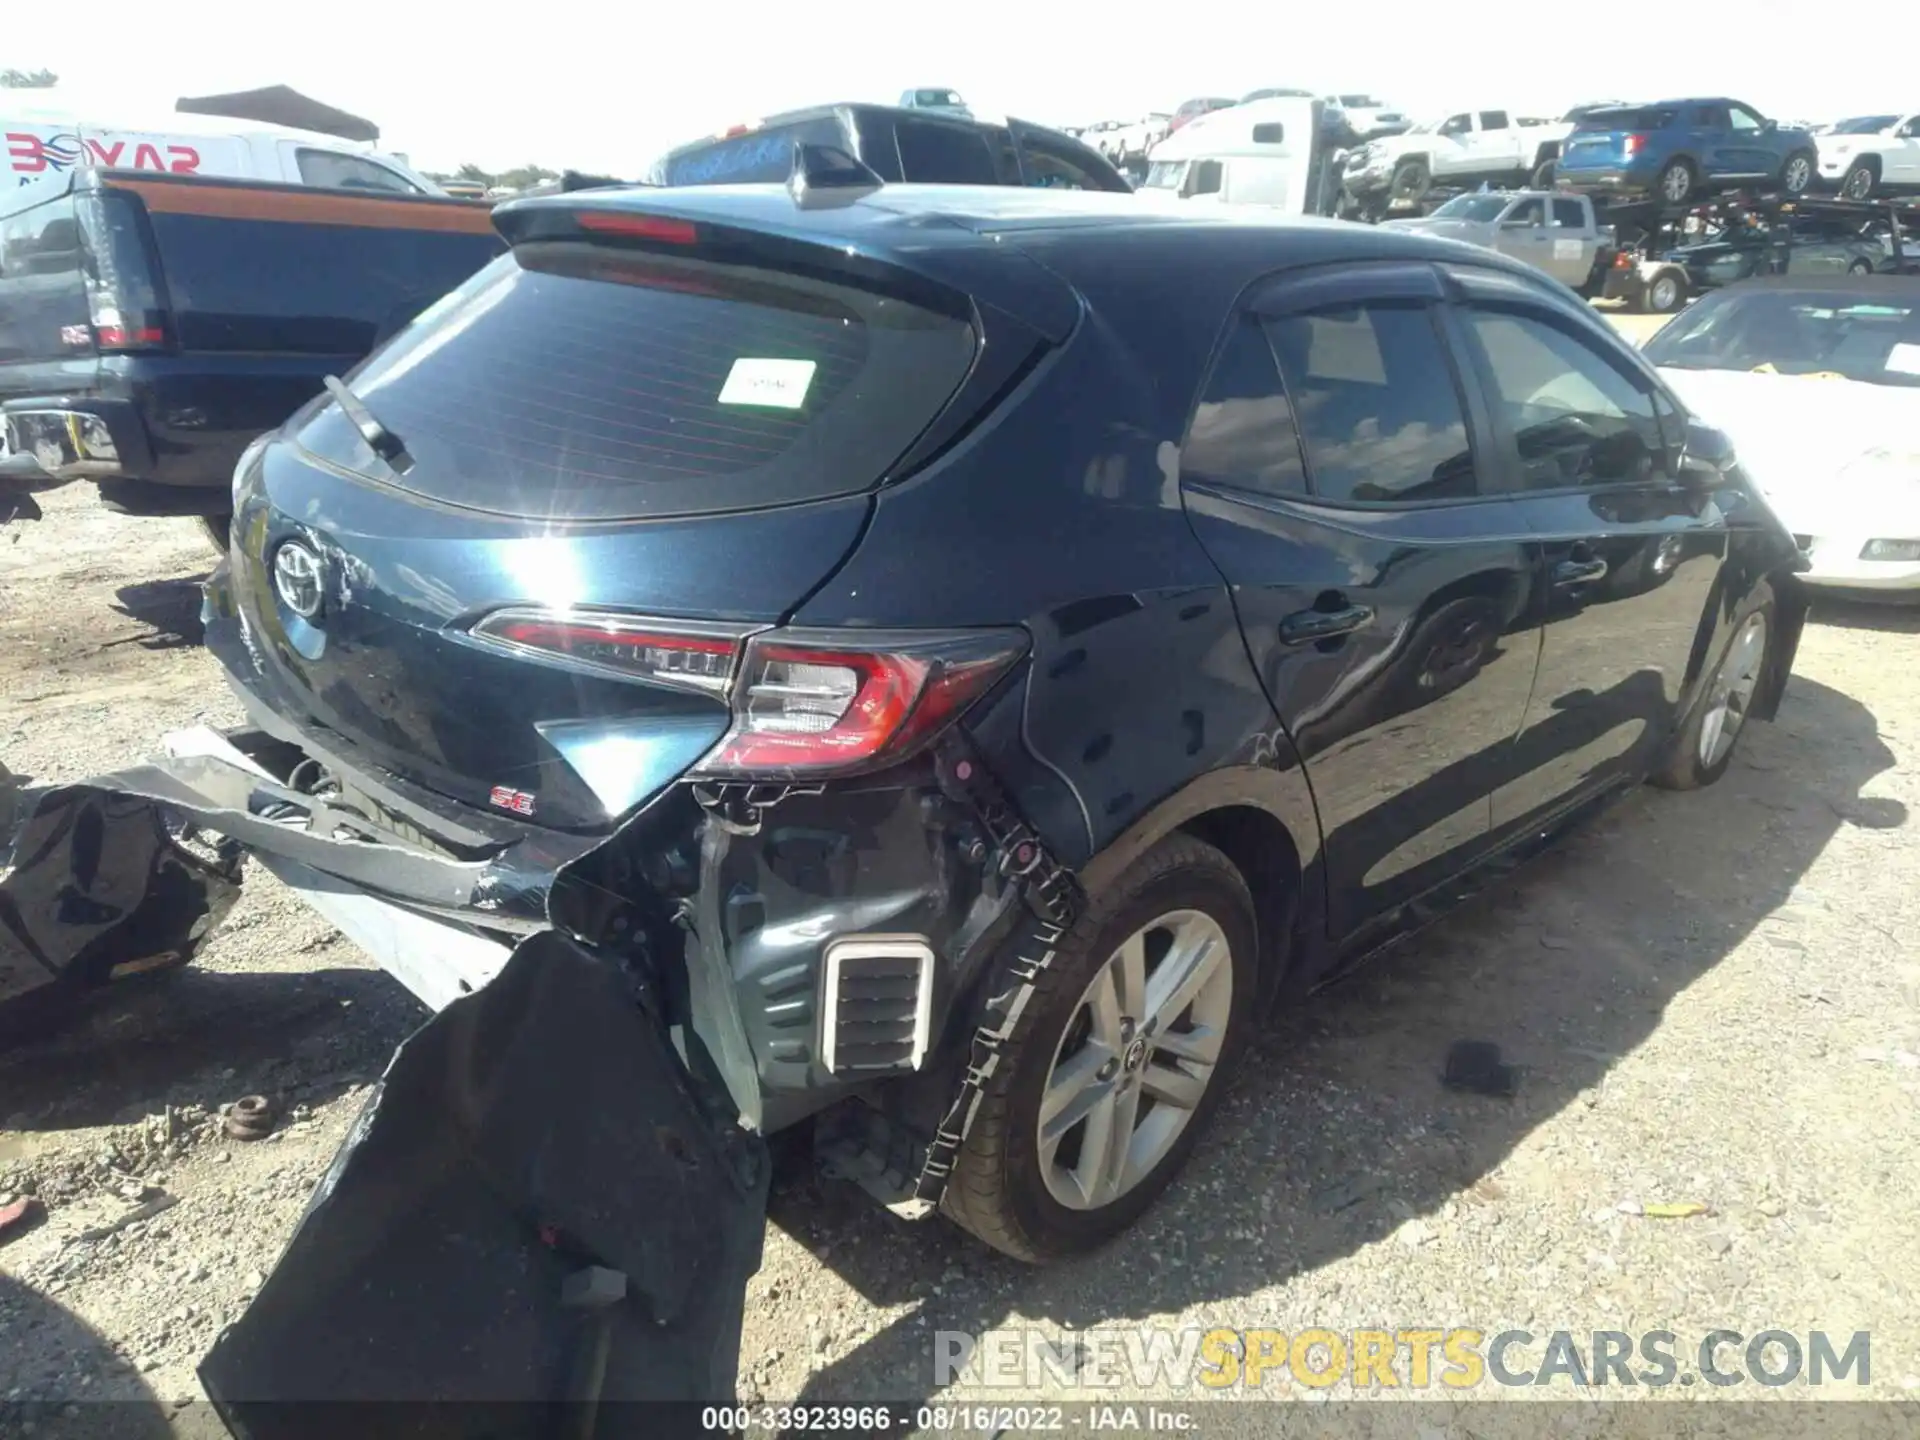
pixel 1137 1055
pixel 1664 295
pixel 1799 171
pixel 1676 182
pixel 1733 687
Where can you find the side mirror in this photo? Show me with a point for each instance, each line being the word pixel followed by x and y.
pixel 1707 459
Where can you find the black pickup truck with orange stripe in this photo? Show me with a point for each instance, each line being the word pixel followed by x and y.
pixel 152 325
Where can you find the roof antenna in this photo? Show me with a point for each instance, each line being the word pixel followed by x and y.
pixel 825 175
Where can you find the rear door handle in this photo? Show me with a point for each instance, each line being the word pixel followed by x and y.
pixel 1306 626
pixel 1578 572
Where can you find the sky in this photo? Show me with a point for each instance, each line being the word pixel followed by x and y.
pixel 606 90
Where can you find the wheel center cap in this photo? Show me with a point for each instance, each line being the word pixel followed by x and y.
pixel 1136 1055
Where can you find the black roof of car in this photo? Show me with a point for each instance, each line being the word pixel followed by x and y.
pixel 952 234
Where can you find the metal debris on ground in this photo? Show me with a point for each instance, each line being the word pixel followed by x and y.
pixel 1475 1066
pixel 250 1118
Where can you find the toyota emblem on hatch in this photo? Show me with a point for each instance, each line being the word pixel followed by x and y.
pixel 296 578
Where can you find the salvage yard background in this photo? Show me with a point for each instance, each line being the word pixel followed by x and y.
pixel 1714 998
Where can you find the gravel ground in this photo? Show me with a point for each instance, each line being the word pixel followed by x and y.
pixel 1713 998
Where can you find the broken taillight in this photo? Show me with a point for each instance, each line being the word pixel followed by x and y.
pixel 821 703
pixel 805 702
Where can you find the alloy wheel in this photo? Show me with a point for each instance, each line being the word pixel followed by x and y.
pixel 1663 294
pixel 1799 171
pixel 1675 183
pixel 1732 693
pixel 1135 1059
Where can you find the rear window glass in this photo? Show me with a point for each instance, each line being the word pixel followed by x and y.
pixel 759 158
pixel 43 299
pixel 585 382
pixel 1628 118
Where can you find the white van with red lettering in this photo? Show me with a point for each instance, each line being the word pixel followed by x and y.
pixel 40 138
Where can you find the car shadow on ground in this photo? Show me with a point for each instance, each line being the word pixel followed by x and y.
pixel 204 1037
pixel 170 608
pixel 119 1405
pixel 1338 1119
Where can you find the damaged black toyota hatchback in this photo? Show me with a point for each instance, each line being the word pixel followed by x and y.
pixel 932 665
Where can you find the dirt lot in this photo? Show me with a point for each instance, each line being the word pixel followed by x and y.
pixel 1714 998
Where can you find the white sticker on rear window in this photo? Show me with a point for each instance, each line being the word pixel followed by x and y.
pixel 1904 359
pixel 776 384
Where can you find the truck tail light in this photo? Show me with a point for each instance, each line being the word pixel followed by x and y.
pixel 816 703
pixel 806 703
pixel 1632 145
pixel 126 309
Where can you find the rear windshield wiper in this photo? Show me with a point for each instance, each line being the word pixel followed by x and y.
pixel 382 441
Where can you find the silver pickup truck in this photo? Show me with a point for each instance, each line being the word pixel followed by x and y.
pixel 1553 232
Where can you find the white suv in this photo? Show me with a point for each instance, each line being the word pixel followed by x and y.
pixel 1468 147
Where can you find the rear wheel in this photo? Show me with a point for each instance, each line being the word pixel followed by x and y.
pixel 1675 182
pixel 1666 292
pixel 1704 747
pixel 1117 1062
pixel 1859 181
pixel 1544 173
pixel 1797 174
pixel 1861 266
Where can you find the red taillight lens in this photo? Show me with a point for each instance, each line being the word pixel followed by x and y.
pixel 810 704
pixel 805 702
pixel 619 646
pixel 1633 145
pixel 639 227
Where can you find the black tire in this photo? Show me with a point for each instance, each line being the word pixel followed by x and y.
pixel 998 1191
pixel 1665 293
pixel 1684 768
pixel 1676 182
pixel 1860 266
pixel 1544 174
pixel 1796 175
pixel 1412 179
pixel 1859 181
pixel 217 529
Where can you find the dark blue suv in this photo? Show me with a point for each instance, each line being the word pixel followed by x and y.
pixel 1671 150
pixel 935 665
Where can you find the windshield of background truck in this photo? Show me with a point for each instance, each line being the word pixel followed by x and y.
pixel 1796 332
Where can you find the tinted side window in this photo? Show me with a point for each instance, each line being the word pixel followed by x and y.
pixel 1053 167
pixel 1528 212
pixel 1205 178
pixel 1493 120
pixel 1568 214
pixel 1576 418
pixel 1376 404
pixel 937 154
pixel 1713 116
pixel 1242 433
pixel 349 172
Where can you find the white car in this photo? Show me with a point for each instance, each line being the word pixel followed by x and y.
pixel 1817 381
pixel 1368 118
pixel 1872 155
